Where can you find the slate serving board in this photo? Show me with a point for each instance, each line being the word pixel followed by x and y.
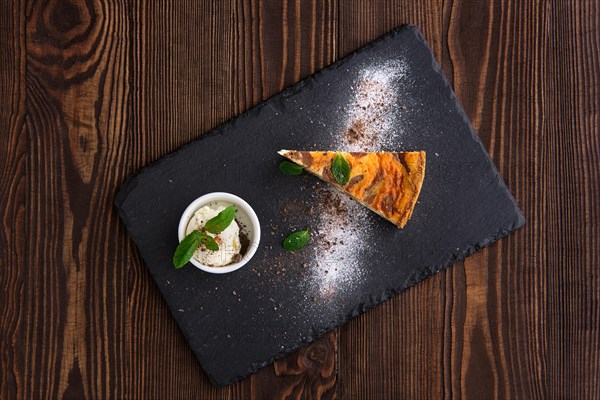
pixel 237 323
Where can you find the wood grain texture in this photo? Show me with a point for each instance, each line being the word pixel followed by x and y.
pixel 75 287
pixel 198 65
pixel 395 350
pixel 519 319
pixel 13 181
pixel 91 91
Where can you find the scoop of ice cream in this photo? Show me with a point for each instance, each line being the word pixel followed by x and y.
pixel 228 240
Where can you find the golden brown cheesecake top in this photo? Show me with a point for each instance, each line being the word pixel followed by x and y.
pixel 388 183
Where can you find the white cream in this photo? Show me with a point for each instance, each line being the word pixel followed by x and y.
pixel 228 240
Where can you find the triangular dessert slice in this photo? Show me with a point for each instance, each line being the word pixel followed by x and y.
pixel 388 183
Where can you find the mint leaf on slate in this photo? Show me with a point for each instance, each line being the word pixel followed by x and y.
pixel 296 240
pixel 290 169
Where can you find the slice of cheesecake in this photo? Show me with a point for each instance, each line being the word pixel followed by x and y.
pixel 388 183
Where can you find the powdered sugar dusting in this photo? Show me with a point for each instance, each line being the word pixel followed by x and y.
pixel 371 120
pixel 342 229
pixel 343 224
pixel 339 242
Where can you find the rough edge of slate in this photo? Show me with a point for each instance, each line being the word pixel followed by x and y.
pixel 131 182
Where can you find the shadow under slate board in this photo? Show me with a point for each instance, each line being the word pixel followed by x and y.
pixel 388 96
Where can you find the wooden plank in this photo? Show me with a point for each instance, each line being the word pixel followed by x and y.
pixel 519 319
pixel 365 20
pixel 394 350
pixel 295 38
pixel 478 355
pixel 76 283
pixel 180 72
pixel 195 65
pixel 523 332
pixel 566 229
pixel 309 373
pixel 13 181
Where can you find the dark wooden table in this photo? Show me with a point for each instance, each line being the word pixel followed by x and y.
pixel 91 91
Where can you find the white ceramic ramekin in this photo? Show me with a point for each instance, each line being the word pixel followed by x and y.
pixel 244 212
